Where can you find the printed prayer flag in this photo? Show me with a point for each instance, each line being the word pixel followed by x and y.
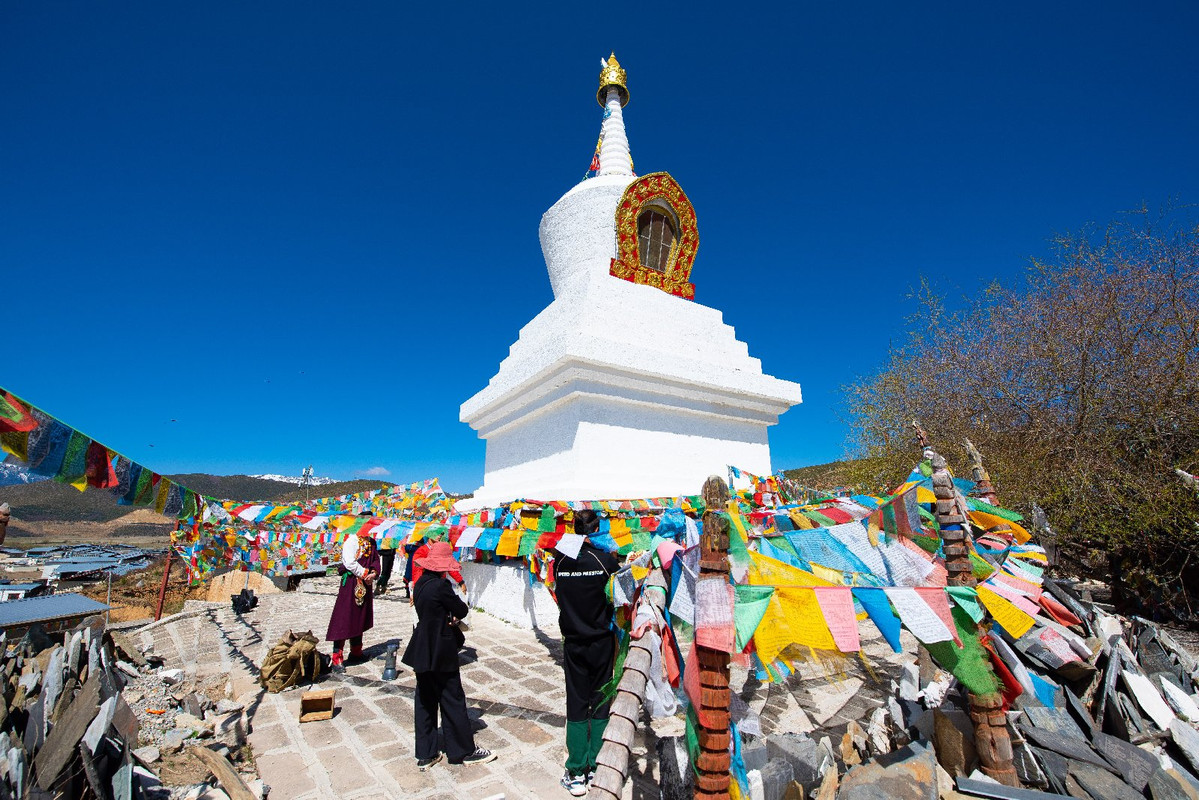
pixel 836 604
pixel 878 608
pixel 917 616
pixel 750 607
pixel 509 543
pixel 714 613
pixel 938 601
pixel 1011 619
pixel 14 416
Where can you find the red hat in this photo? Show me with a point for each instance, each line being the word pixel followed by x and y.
pixel 439 559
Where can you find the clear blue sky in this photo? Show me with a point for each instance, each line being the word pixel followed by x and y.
pixel 308 231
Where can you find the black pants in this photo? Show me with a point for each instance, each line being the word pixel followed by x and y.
pixel 588 666
pixel 442 690
pixel 387 558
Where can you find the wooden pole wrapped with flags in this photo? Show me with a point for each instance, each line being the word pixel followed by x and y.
pixel 712 765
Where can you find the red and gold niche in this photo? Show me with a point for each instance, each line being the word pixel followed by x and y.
pixel 656 236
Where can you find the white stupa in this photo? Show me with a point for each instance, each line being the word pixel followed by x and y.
pixel 622 387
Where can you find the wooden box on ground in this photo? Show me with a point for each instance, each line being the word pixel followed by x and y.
pixel 317 705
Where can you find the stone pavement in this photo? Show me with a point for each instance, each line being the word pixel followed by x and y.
pixel 513 683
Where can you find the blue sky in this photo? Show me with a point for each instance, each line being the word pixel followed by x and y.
pixel 306 232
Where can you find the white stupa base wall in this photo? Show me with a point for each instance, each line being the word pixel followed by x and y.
pixel 594 446
pixel 503 591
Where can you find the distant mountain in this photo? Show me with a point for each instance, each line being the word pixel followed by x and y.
pixel 296 481
pixel 51 501
pixel 12 475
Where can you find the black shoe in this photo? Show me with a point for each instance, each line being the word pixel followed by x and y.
pixel 353 661
pixel 480 756
pixel 423 764
pixel 380 590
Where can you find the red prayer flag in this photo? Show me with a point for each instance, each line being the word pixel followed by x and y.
pixel 99 471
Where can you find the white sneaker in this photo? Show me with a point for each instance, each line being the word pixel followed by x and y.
pixel 575 784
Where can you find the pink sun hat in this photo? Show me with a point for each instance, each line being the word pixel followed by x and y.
pixel 440 558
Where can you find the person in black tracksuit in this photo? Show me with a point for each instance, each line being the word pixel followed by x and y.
pixel 589 649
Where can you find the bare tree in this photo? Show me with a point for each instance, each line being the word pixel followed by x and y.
pixel 1081 385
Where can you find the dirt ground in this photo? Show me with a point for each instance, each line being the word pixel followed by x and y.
pixel 135 596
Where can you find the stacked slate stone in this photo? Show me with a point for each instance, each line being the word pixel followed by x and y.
pixel 65 729
pixel 1120 722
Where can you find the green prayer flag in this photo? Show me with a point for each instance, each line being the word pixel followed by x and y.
pixel 548 522
pixel 692 738
pixel 1033 568
pixel 978 505
pixel 967 598
pixel 144 495
pixel 622 651
pixel 528 543
pixel 980 567
pixel 969 663
pixel 74 461
pixel 748 610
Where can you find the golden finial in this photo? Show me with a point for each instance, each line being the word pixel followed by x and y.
pixel 612 75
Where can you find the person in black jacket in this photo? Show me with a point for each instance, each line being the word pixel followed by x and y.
pixel 589 649
pixel 432 653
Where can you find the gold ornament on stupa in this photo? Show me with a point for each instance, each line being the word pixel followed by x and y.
pixel 612 75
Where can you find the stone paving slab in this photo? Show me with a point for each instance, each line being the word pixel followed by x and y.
pixel 515 698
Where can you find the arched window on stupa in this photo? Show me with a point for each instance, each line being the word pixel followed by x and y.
pixel 655 238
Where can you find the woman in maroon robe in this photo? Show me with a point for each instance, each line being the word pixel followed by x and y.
pixel 354 611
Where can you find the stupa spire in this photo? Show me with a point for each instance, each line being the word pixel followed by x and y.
pixel 613 94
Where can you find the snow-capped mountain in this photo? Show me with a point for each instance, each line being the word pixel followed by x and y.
pixel 13 474
pixel 314 481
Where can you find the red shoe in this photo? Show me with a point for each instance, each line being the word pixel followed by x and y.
pixel 337 666
pixel 356 657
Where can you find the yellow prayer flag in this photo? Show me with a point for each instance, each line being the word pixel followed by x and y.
pixel 766 571
pixel 801 522
pixel 833 576
pixel 985 521
pixel 793 616
pixel 509 544
pixel 80 483
pixel 1003 611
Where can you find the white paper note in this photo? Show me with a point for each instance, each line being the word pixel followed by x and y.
pixel 569 544
pixel 469 537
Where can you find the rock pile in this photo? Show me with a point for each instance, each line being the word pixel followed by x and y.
pixel 93 716
pixel 1104 708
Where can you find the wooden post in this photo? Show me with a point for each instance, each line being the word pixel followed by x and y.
pixel 991 737
pixel 983 488
pixel 162 590
pixel 5 514
pixel 712 767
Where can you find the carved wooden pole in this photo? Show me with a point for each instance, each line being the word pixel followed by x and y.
pixel 612 761
pixel 5 514
pixel 991 737
pixel 712 767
